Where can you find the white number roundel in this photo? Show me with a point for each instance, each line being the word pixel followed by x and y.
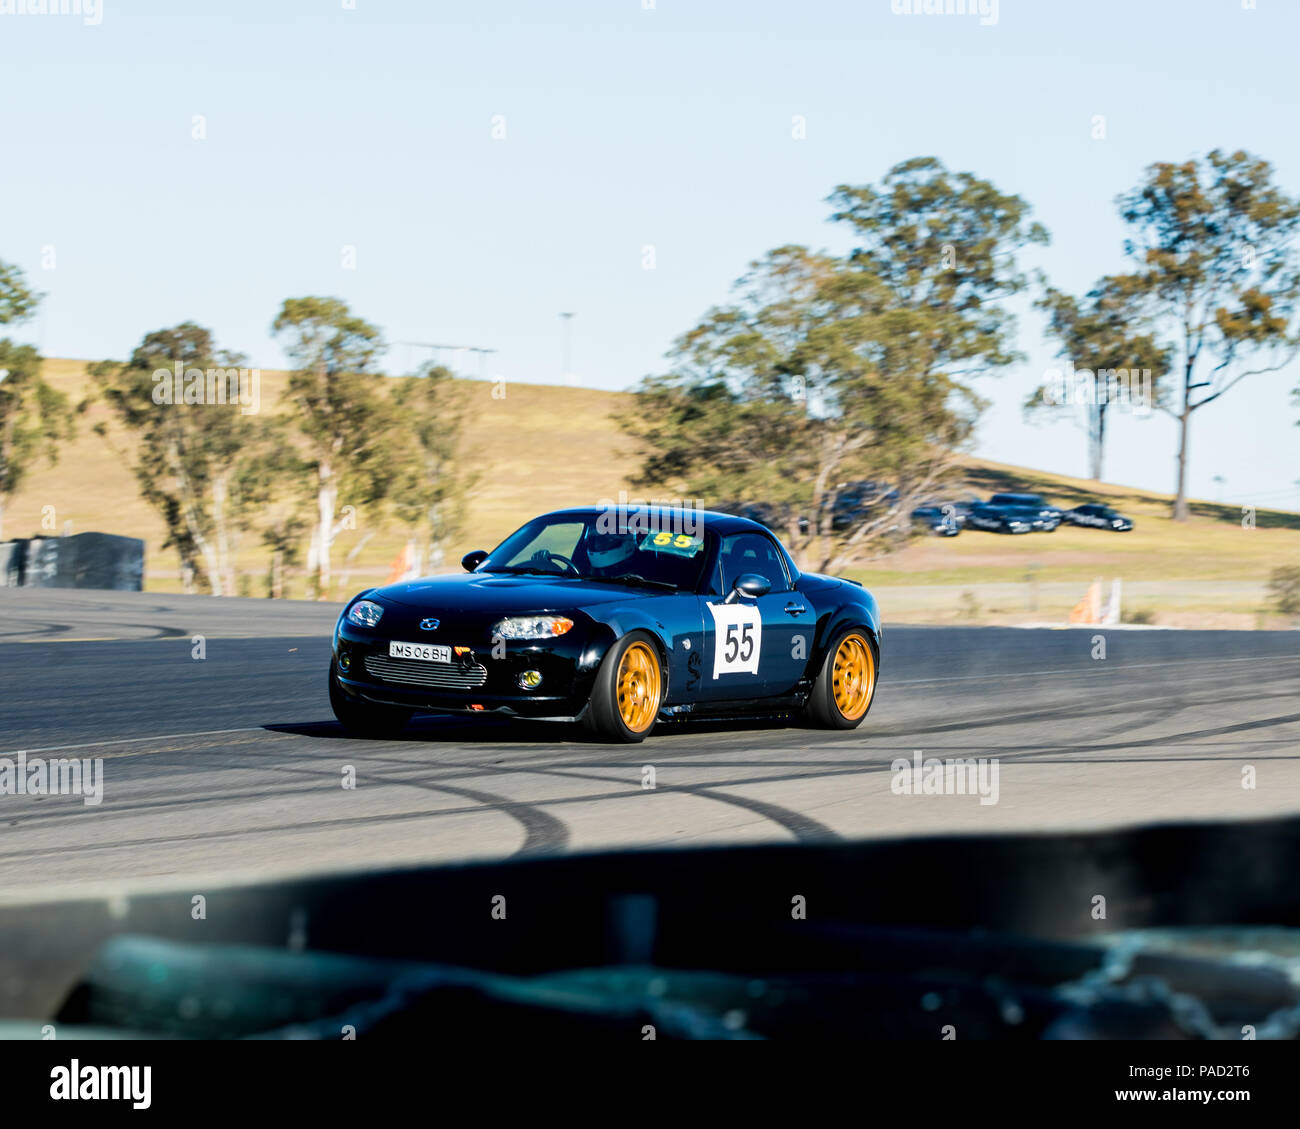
pixel 737 638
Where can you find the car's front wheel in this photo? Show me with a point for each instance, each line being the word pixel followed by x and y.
pixel 366 719
pixel 846 684
pixel 628 691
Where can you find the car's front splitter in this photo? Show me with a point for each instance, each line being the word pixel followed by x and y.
pixel 534 708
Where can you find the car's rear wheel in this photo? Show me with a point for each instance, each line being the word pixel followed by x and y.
pixel 846 684
pixel 628 691
pixel 366 719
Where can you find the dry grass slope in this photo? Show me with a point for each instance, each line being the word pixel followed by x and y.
pixel 541 447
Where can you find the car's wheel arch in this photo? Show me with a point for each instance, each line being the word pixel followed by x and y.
pixel 616 627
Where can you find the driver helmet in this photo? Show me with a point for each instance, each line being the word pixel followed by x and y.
pixel 607 549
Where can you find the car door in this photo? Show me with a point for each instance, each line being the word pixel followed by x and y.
pixel 753 647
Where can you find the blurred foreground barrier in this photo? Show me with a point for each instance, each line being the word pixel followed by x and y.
pixel 1172 932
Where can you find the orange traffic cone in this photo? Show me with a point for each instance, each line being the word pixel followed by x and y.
pixel 1088 610
pixel 401 566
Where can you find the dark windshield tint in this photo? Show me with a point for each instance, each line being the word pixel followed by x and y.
pixel 605 547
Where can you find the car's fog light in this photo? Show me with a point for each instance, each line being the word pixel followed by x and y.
pixel 530 679
pixel 345 662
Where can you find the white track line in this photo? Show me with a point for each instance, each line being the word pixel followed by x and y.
pixel 1098 666
pixel 133 740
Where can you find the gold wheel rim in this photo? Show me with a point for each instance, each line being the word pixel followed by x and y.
pixel 637 685
pixel 853 676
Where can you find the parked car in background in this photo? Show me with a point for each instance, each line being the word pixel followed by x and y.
pixel 1099 517
pixel 1048 516
pixel 854 502
pixel 943 519
pixel 1000 519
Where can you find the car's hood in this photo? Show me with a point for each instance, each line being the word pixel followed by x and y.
pixel 494 592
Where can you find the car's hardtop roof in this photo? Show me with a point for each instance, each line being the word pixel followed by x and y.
pixel 667 517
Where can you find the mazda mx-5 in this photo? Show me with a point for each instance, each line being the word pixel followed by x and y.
pixel 617 619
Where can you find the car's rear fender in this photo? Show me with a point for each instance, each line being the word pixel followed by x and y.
pixel 841 619
pixel 840 604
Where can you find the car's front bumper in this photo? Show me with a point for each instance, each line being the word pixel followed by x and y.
pixel 484 676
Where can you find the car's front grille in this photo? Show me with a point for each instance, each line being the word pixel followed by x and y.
pixel 413 672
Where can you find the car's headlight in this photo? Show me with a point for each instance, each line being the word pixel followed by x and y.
pixel 532 627
pixel 364 613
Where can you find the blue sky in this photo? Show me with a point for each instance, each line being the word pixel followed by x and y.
pixel 625 127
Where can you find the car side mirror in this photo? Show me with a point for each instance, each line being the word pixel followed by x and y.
pixel 470 561
pixel 749 584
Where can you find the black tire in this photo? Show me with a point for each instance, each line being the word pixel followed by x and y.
pixel 604 717
pixel 822 708
pixel 365 719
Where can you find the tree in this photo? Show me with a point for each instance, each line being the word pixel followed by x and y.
pixel 350 429
pixel 35 417
pixel 189 451
pixel 1101 337
pixel 430 497
pixel 828 369
pixel 1284 586
pixel 276 501
pixel 18 301
pixel 1217 276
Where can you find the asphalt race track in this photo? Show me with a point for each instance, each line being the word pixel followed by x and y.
pixel 231 766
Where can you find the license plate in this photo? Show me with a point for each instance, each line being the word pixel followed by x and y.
pixel 425 652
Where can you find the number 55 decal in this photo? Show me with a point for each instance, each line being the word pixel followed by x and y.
pixel 737 638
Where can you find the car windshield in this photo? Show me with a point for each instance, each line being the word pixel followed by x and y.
pixel 631 549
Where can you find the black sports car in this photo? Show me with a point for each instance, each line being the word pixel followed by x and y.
pixel 1101 517
pixel 616 620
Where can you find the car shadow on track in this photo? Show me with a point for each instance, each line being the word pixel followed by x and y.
pixel 495 730
pixel 442 728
